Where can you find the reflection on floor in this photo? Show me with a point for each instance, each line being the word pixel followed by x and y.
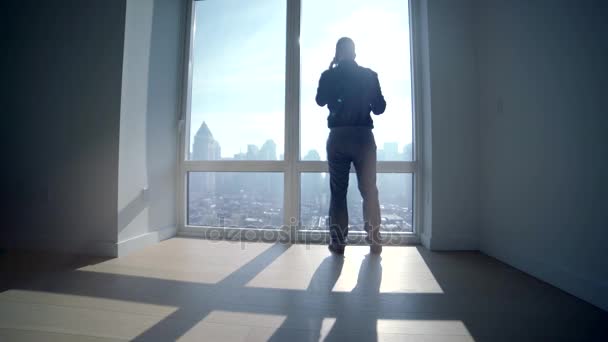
pixel 202 290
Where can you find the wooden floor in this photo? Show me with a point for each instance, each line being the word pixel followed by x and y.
pixel 200 290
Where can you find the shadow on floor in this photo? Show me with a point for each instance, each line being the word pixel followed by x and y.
pixel 19 267
pixel 491 300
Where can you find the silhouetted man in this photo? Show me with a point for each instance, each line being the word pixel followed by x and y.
pixel 351 92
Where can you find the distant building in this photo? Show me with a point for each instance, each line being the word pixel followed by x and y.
pixel 408 152
pixel 252 152
pixel 205 147
pixel 268 151
pixel 312 155
pixel 391 151
pixel 380 155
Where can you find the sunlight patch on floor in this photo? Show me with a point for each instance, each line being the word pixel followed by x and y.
pixel 233 326
pixel 326 325
pixel 185 260
pixel 292 270
pixel 49 298
pixel 78 315
pixel 424 327
pixel 397 270
pixel 313 268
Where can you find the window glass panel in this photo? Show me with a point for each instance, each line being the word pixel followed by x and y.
pixel 380 30
pixel 396 202
pixel 238 80
pixel 235 199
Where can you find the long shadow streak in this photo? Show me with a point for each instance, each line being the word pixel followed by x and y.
pixel 179 322
pixel 357 319
pixel 322 283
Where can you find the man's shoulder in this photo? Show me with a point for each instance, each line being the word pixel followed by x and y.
pixel 327 73
pixel 368 71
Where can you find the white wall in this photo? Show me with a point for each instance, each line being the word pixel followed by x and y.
pixel 60 124
pixel 544 140
pixel 515 149
pixel 450 114
pixel 148 126
pixel 85 133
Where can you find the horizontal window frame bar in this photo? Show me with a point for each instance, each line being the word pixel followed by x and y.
pixel 381 167
pixel 283 166
pixel 236 166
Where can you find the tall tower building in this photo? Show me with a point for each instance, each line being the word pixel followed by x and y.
pixel 252 152
pixel 268 151
pixel 205 147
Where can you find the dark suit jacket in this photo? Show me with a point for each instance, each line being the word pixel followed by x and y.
pixel 351 93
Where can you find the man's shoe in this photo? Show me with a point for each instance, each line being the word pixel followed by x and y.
pixel 375 249
pixel 336 248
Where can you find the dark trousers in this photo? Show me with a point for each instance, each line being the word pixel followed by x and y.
pixel 356 145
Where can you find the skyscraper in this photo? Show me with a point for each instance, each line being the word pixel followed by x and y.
pixel 205 147
pixel 268 151
pixel 252 152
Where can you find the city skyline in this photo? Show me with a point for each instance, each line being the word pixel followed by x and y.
pixel 206 147
pixel 255 199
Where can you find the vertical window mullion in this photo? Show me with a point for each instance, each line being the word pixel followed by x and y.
pixel 184 122
pixel 292 113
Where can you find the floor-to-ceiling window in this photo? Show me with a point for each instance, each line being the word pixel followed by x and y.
pixel 254 139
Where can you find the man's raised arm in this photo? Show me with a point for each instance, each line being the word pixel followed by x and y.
pixel 322 91
pixel 378 104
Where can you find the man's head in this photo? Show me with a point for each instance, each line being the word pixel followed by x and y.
pixel 345 50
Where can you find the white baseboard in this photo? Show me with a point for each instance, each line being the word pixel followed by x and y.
pixel 139 242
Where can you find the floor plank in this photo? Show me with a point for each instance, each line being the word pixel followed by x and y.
pixel 191 289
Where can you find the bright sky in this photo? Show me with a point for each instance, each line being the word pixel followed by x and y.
pixel 239 68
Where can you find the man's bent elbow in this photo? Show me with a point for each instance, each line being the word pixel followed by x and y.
pixel 379 108
pixel 321 101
